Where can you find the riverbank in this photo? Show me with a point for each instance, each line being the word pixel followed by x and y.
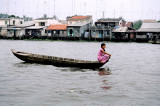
pixel 44 38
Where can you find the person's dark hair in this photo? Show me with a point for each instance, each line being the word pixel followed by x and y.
pixel 103 44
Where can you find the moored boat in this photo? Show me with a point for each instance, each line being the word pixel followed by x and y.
pixel 56 61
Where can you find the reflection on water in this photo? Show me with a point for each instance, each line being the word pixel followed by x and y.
pixel 131 77
pixel 104 71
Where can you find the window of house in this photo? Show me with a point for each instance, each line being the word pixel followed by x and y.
pixel 42 24
pixel 77 31
pixel 49 31
pixel 5 22
pixel 14 22
pixel 21 22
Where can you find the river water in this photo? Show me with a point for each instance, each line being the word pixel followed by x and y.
pixel 130 78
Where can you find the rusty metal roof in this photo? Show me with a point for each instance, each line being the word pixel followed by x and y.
pixel 57 27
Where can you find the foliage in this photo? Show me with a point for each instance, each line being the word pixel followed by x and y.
pixel 12 16
pixel 137 24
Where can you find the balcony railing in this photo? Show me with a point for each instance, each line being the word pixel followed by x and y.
pixel 100 27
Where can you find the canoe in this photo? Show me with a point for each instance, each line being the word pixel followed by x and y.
pixel 56 61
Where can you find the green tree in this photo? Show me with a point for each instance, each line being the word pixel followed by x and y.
pixel 137 24
pixel 12 16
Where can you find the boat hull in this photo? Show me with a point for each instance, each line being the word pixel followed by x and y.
pixel 56 61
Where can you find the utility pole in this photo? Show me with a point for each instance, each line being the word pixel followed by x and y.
pixel 54 8
pixel 45 7
pixel 84 8
pixel 103 14
pixel 114 13
pixel 73 7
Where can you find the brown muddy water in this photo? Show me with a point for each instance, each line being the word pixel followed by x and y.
pixel 130 78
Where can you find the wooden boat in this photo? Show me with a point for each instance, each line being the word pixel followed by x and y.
pixel 56 61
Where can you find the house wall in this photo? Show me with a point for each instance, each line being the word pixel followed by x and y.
pixel 10 33
pixel 3 32
pixel 47 22
pixel 88 20
pixel 77 21
pixel 17 21
pixel 3 22
pixel 11 21
pixel 100 32
pixel 18 33
pixel 141 36
pixel 95 34
pixel 43 32
pixel 38 22
pixel 84 29
pixel 77 31
pixel 61 33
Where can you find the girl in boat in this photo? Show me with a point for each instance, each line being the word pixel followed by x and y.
pixel 103 56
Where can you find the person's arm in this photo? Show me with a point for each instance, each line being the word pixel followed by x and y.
pixel 105 52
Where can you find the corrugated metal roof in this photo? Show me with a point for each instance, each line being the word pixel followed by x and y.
pixel 150 27
pixel 4 18
pixel 36 27
pixel 149 21
pixel 57 27
pixel 109 20
pixel 26 24
pixel 149 30
pixel 78 24
pixel 3 26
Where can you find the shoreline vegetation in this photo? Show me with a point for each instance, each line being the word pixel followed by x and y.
pixel 78 40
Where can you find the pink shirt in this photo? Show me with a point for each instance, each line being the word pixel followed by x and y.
pixel 100 53
pixel 102 57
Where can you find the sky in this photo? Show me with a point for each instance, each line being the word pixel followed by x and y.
pixel 130 10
